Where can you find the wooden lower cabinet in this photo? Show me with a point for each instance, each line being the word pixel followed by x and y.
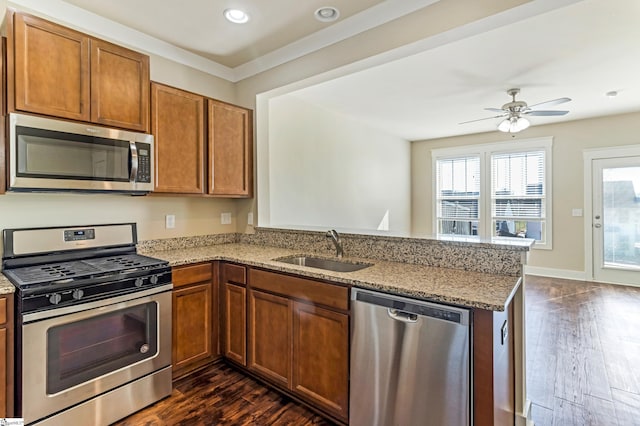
pixel 6 355
pixel 299 338
pixel 270 336
pixel 234 312
pixel 321 357
pixel 194 329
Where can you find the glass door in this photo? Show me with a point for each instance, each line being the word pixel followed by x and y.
pixel 616 220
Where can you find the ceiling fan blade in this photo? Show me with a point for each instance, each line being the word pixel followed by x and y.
pixel 486 118
pixel 551 103
pixel 494 109
pixel 545 113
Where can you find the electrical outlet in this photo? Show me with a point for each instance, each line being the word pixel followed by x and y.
pixel 170 221
pixel 250 218
pixel 225 218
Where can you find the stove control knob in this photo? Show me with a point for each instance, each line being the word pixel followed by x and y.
pixel 77 294
pixel 153 279
pixel 55 298
pixel 139 281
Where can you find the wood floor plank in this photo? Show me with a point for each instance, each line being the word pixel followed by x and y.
pixel 597 345
pixel 600 412
pixel 567 413
pixel 220 395
pixel 541 416
pixel 627 407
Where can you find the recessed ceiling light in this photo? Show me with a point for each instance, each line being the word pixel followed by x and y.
pixel 236 16
pixel 327 14
pixel 611 94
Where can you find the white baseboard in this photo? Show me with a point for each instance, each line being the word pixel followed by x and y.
pixel 555 273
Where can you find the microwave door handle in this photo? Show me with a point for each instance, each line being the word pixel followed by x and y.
pixel 134 161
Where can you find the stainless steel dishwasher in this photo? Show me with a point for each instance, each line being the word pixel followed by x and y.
pixel 410 362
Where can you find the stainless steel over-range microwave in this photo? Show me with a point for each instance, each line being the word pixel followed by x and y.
pixel 54 155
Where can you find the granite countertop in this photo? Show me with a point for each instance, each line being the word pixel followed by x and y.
pixel 458 287
pixel 5 285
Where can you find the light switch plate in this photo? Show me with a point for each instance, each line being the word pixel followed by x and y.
pixel 170 221
pixel 225 218
pixel 250 218
pixel 576 212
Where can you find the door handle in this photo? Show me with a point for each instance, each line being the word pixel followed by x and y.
pixel 597 225
pixel 402 316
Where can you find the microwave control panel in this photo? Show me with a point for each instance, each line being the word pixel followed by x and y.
pixel 144 162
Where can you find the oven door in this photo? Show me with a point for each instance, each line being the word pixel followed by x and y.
pixel 73 354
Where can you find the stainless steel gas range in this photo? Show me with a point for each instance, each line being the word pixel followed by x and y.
pixel 93 323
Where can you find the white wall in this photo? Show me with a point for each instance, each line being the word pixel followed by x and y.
pixel 569 141
pixel 327 170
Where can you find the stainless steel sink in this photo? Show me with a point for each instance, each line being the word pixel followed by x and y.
pixel 326 264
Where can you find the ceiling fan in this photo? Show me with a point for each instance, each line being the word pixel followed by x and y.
pixel 515 111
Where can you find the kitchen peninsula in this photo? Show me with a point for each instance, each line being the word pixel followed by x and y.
pixel 483 276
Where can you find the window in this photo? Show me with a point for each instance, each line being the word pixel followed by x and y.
pixel 499 190
pixel 458 195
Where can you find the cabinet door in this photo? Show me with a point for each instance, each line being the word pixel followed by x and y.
pixel 51 68
pixel 270 336
pixel 321 357
pixel 177 121
pixel 235 323
pixel 192 325
pixel 230 150
pixel 3 372
pixel 119 86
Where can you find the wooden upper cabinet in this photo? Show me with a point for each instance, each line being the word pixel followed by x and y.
pixel 56 71
pixel 230 150
pixel 119 86
pixel 177 123
pixel 51 68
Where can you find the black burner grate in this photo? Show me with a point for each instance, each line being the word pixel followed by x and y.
pixel 80 268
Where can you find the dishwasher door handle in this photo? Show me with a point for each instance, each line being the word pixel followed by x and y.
pixel 402 316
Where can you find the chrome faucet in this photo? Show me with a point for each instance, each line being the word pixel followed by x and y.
pixel 335 238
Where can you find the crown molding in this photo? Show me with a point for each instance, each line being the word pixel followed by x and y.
pixel 89 22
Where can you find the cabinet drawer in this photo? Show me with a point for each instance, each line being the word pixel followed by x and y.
pixel 3 310
pixel 301 288
pixel 191 274
pixel 234 273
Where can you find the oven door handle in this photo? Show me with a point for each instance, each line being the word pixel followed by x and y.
pixel 51 313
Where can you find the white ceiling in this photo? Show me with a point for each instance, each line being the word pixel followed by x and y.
pixel 579 51
pixel 201 28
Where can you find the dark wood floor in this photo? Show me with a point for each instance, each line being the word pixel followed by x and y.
pixel 220 395
pixel 583 368
pixel 583 352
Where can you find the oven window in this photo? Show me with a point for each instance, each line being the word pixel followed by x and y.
pixel 89 348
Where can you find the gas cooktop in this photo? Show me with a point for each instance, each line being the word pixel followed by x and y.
pixel 65 272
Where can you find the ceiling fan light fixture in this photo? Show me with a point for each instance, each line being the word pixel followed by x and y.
pixel 505 125
pixel 236 16
pixel 522 123
pixel 513 124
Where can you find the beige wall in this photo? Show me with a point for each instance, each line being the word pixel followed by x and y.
pixel 194 216
pixel 569 141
